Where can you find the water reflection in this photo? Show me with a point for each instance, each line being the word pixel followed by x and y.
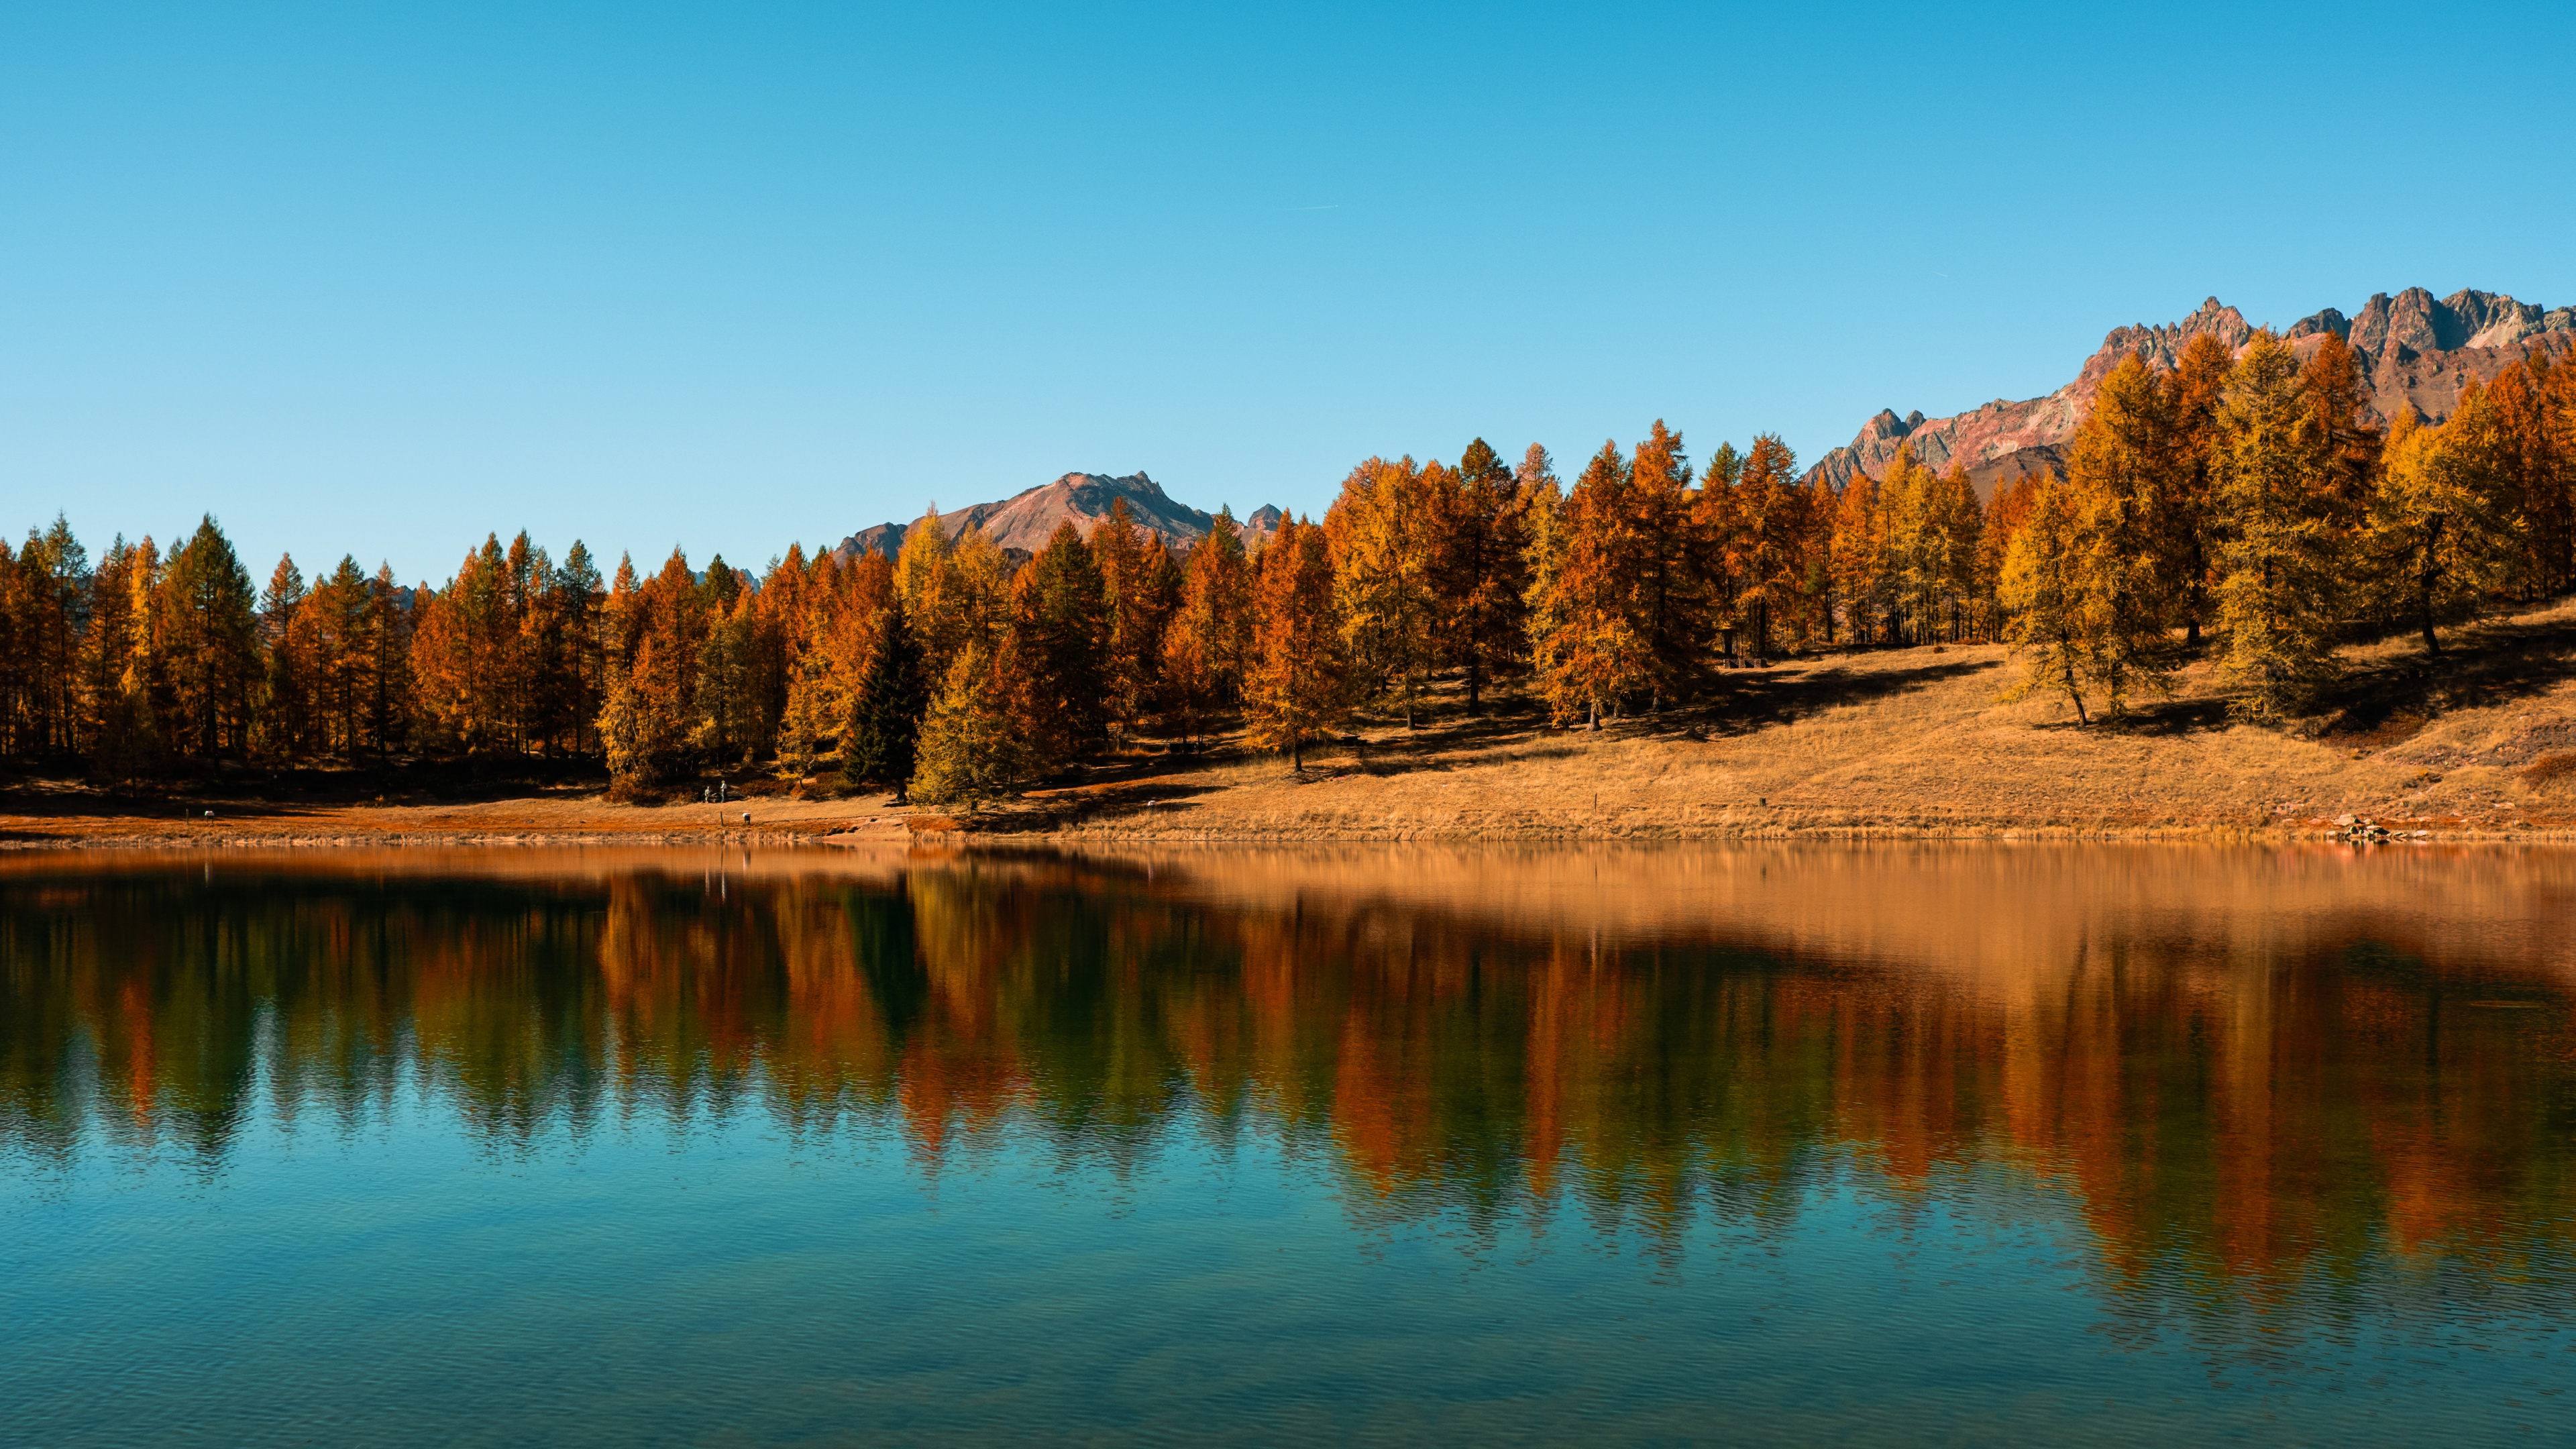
pixel 2263 1081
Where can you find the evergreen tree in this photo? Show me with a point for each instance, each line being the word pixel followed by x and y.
pixel 1299 687
pixel 885 713
pixel 390 699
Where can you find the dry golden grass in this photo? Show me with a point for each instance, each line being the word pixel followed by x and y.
pixel 1885 743
pixel 1915 742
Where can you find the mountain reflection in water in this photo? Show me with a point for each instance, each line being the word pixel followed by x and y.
pixel 2281 1091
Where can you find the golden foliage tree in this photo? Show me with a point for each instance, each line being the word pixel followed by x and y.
pixel 1586 647
pixel 1298 690
pixel 2441 518
pixel 2043 595
pixel 1209 640
pixel 2279 566
pixel 2117 466
pixel 1382 531
pixel 971 751
pixel 1481 574
pixel 1055 649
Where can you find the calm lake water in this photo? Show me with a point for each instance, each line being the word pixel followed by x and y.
pixel 1914 1144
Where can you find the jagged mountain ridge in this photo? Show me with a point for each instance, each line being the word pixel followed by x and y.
pixel 2416 351
pixel 1024 521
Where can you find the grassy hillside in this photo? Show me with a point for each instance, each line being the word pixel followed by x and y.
pixel 1916 740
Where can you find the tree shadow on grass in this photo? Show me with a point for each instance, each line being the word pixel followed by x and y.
pixel 2381 703
pixel 1745 702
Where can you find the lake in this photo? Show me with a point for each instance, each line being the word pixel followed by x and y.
pixel 1922 1143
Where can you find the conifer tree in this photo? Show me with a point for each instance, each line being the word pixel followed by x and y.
pixel 1481 575
pixel 1586 647
pixel 970 752
pixel 1209 639
pixel 2278 566
pixel 209 645
pixel 1769 539
pixel 1381 531
pixel 2441 520
pixel 886 710
pixel 1299 688
pixel 391 701
pixel 1140 590
pixel 1669 604
pixel 1859 557
pixel 116 723
pixel 2116 470
pixel 1058 636
pixel 2185 520
pixel 335 618
pixel 2043 595
pixel 286 708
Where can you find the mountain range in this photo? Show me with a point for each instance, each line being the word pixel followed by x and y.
pixel 2416 352
pixel 1022 523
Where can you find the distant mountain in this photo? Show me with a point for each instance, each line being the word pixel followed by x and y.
pixel 1025 521
pixel 2416 352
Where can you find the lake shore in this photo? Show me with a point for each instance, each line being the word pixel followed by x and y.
pixel 1882 744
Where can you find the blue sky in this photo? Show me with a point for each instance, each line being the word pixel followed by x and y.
pixel 381 279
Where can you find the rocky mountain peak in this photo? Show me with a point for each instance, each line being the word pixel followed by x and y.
pixel 1025 521
pixel 2415 351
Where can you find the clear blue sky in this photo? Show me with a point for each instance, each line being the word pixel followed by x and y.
pixel 382 278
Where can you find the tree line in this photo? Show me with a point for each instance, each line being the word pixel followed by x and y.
pixel 2235 502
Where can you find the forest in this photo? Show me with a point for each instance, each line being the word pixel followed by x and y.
pixel 2236 507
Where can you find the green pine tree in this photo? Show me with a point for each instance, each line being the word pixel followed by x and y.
pixel 885 717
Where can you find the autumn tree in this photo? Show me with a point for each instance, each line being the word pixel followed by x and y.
pixel 287 707
pixel 2185 519
pixel 1054 650
pixel 1382 532
pixel 1479 573
pixel 2117 467
pixel 1209 639
pixel 2278 565
pixel 1859 558
pixel 2043 594
pixel 208 644
pixel 650 710
pixel 2442 523
pixel 1299 686
pixel 1141 588
pixel 1768 541
pixel 1669 600
pixel 1585 642
pixel 970 750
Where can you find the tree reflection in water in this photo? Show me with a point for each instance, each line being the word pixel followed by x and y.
pixel 2253 1121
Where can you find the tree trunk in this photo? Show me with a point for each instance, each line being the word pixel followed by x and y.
pixel 2424 587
